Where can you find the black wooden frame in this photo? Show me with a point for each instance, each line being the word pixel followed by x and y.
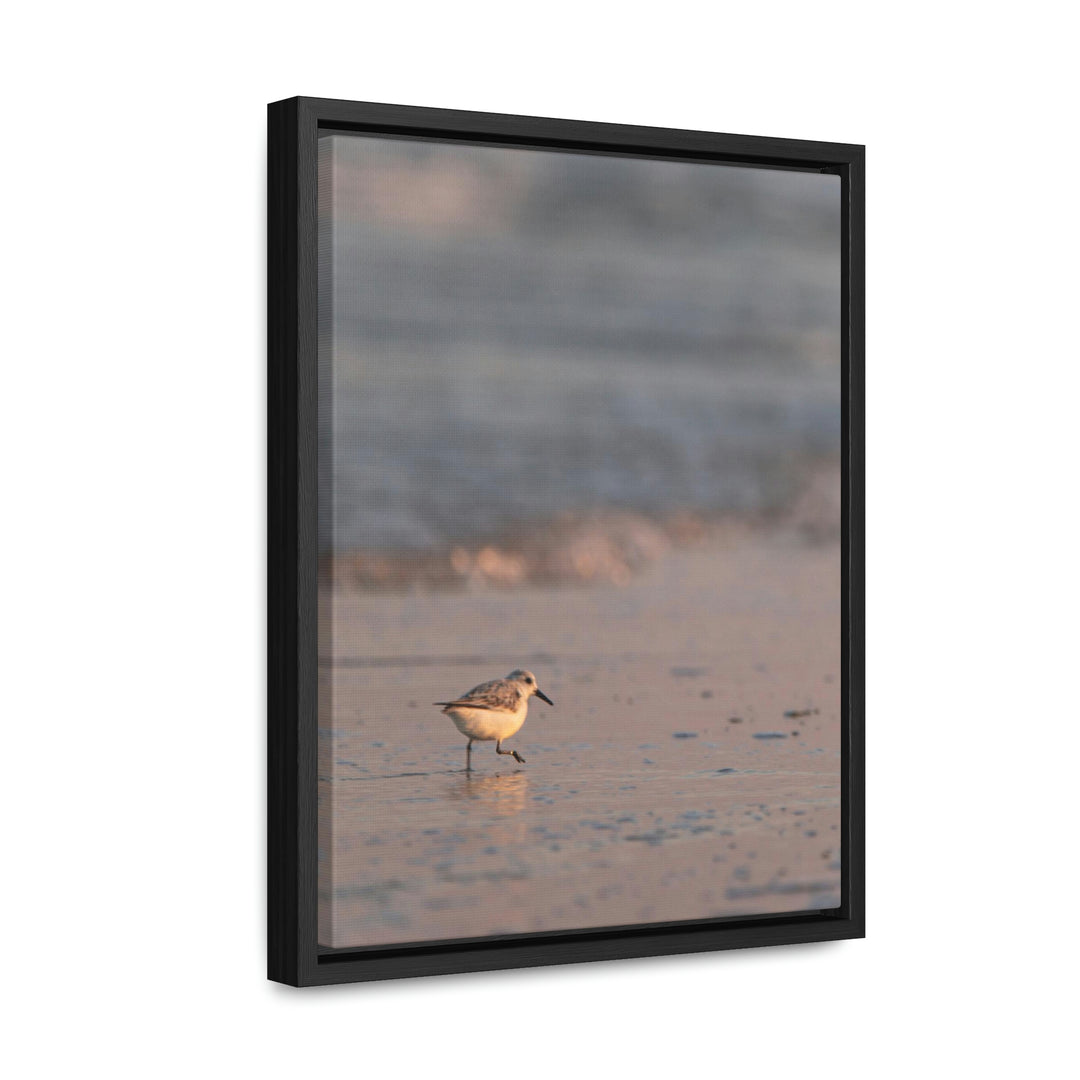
pixel 293 953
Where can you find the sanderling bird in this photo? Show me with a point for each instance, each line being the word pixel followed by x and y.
pixel 494 710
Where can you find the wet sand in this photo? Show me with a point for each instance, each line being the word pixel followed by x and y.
pixel 690 768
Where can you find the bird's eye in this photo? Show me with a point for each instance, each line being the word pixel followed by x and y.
pixel 528 679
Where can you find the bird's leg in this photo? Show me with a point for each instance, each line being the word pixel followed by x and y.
pixel 468 756
pixel 513 753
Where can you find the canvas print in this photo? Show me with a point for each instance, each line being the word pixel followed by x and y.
pixel 579 541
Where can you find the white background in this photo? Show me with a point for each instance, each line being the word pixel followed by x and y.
pixel 132 427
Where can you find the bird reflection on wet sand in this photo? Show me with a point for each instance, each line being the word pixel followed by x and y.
pixel 501 795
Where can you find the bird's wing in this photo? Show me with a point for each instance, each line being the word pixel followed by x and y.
pixel 497 694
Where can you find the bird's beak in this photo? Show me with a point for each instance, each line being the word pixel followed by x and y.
pixel 543 697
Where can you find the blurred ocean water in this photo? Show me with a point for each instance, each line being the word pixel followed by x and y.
pixel 510 335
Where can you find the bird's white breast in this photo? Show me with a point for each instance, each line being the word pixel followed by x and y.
pixel 488 724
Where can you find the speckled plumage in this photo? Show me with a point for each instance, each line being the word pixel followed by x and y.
pixel 494 711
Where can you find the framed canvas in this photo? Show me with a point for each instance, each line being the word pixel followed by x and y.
pixel 565 593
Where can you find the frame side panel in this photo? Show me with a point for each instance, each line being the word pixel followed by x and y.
pixel 283 847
